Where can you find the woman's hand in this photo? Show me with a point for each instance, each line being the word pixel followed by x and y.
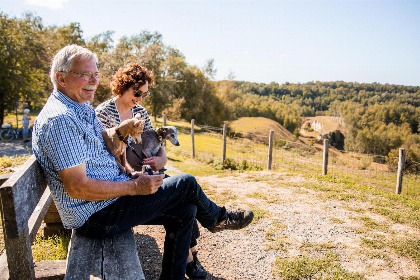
pixel 157 162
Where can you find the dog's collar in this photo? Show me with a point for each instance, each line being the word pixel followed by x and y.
pixel 159 135
pixel 121 137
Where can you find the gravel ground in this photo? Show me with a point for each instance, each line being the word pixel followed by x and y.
pixel 295 215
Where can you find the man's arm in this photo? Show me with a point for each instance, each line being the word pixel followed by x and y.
pixel 157 162
pixel 79 186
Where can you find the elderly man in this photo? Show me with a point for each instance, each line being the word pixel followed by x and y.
pixel 91 194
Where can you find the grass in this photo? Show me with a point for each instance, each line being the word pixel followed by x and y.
pixel 408 247
pixel 259 213
pixel 7 163
pixel 51 248
pixel 322 268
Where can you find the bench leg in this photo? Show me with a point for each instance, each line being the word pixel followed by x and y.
pixel 19 260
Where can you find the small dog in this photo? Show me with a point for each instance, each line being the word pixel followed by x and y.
pixel 149 146
pixel 116 137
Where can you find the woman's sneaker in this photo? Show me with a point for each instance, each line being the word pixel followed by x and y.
pixel 233 220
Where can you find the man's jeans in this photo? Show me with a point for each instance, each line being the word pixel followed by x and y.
pixel 176 204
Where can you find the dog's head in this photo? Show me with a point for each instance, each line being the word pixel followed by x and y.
pixel 169 133
pixel 133 127
pixel 137 129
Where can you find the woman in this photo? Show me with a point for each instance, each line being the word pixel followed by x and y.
pixel 25 121
pixel 130 85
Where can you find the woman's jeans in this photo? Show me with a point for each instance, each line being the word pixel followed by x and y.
pixel 176 205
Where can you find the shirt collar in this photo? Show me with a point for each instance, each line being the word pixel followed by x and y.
pixel 83 107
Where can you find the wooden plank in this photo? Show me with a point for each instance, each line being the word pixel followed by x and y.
pixel 4 177
pixel 401 163
pixel 84 258
pixel 38 215
pixel 19 253
pixel 270 149
pixel 52 216
pixel 192 139
pixel 121 257
pixel 46 270
pixel 19 256
pixel 4 270
pixel 325 157
pixel 20 195
pixel 50 270
pixel 109 258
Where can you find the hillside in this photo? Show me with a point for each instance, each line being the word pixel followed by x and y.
pixel 260 127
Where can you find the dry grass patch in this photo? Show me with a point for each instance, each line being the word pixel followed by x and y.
pixel 307 268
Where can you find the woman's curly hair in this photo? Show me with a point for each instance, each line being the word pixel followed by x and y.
pixel 130 75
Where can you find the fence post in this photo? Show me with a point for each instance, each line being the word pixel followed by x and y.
pixel 192 138
pixel 401 162
pixel 224 142
pixel 325 158
pixel 270 149
pixel 164 124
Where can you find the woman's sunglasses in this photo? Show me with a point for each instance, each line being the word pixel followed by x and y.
pixel 138 93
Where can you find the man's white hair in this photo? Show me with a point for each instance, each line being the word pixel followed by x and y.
pixel 63 60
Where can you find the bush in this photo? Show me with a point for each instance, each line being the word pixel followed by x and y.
pixel 364 162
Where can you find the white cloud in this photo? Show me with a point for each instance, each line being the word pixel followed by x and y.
pixel 283 55
pixel 245 52
pixel 51 4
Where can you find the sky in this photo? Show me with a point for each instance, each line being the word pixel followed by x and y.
pixel 262 41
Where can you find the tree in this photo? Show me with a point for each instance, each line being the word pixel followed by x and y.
pixel 199 100
pixel 23 61
pixel 147 49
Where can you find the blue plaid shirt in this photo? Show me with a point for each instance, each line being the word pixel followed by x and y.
pixel 66 134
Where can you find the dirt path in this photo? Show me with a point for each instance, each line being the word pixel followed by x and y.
pixel 291 222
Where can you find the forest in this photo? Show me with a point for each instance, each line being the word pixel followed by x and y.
pixel 379 118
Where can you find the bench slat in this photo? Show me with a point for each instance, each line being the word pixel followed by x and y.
pixel 20 195
pixel 109 258
pixel 38 215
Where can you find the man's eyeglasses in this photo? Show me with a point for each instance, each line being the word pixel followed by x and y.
pixel 87 76
pixel 138 93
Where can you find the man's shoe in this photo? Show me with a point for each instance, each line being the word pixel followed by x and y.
pixel 195 270
pixel 197 262
pixel 233 220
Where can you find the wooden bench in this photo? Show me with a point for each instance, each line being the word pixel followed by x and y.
pixel 25 200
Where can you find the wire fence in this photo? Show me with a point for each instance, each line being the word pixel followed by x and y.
pixel 234 151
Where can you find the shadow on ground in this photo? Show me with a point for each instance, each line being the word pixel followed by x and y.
pixel 151 258
pixel 15 148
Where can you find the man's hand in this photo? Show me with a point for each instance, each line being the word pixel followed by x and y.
pixel 146 184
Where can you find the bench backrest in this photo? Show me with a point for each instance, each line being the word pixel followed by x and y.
pixel 25 199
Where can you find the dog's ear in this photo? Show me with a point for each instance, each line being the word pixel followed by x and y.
pixel 139 123
pixel 161 131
